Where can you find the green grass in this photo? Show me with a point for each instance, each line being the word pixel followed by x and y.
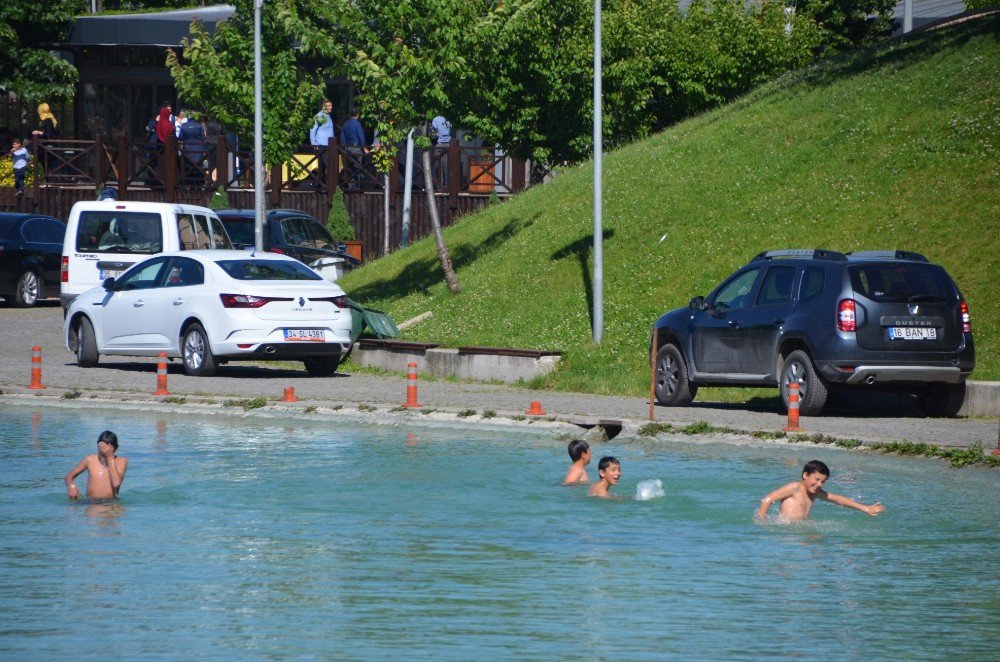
pixel 891 147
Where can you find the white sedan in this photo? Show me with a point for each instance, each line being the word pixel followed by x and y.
pixel 208 307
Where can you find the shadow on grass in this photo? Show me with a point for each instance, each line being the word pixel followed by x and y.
pixel 421 275
pixel 581 249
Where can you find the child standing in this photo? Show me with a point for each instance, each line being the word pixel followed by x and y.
pixel 20 154
pixel 797 497
pixel 610 470
pixel 579 452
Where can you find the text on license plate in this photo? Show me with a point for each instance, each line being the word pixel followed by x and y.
pixel 304 335
pixel 110 273
pixel 912 333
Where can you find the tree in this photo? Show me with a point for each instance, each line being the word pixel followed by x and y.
pixel 215 72
pixel 846 24
pixel 32 73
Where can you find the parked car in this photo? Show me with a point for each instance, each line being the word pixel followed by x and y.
pixel 30 248
pixel 294 233
pixel 824 320
pixel 104 238
pixel 208 307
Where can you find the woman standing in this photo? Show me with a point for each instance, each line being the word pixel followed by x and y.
pixel 48 129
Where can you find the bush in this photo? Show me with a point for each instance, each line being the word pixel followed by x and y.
pixel 7 173
pixel 220 199
pixel 339 221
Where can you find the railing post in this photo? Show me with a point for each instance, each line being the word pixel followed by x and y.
pixel 332 169
pixel 517 177
pixel 454 173
pixel 124 162
pixel 100 168
pixel 276 185
pixel 34 165
pixel 170 163
pixel 221 163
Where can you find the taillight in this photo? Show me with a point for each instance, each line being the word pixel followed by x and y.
pixel 339 302
pixel 846 318
pixel 64 271
pixel 247 300
pixel 966 318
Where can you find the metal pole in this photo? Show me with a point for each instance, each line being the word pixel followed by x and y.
pixel 407 191
pixel 598 184
pixel 907 16
pixel 258 129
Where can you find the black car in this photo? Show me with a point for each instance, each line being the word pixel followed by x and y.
pixel 826 320
pixel 30 257
pixel 289 232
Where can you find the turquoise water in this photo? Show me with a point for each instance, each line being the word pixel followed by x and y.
pixel 260 539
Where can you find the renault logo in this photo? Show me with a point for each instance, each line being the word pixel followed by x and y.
pixel 914 309
pixel 302 302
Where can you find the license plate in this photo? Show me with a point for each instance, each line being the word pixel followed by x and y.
pixel 110 273
pixel 912 333
pixel 304 335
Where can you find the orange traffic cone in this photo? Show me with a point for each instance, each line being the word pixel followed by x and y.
pixel 535 409
pixel 793 408
pixel 161 375
pixel 36 367
pixel 289 395
pixel 411 386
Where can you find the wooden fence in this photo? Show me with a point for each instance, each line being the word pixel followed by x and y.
pixel 464 178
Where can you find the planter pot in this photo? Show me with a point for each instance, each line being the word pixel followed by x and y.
pixel 354 249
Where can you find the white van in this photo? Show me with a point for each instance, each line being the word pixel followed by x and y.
pixel 105 238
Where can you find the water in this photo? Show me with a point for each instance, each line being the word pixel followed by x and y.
pixel 256 539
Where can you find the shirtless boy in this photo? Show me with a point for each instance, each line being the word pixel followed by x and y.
pixel 105 472
pixel 797 497
pixel 579 452
pixel 610 470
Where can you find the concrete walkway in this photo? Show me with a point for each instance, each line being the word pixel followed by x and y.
pixel 117 378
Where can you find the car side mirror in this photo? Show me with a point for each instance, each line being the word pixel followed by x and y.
pixel 109 284
pixel 698 303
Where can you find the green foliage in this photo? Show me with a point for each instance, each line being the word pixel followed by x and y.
pixel 216 73
pixel 220 199
pixel 35 74
pixel 465 413
pixel 846 24
pixel 979 4
pixel 247 403
pixel 884 148
pixel 7 172
pixel 338 221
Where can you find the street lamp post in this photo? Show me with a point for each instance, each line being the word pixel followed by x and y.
pixel 258 129
pixel 598 183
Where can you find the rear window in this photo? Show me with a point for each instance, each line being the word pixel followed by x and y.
pixel 119 232
pixel 241 230
pixel 901 282
pixel 267 270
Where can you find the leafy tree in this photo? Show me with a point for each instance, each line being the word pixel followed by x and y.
pixel 33 73
pixel 848 23
pixel 215 72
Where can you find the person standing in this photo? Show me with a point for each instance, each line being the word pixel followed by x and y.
pixel 105 472
pixel 48 129
pixel 352 137
pixel 191 135
pixel 320 135
pixel 20 154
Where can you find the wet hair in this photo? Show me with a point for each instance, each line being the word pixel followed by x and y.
pixel 816 467
pixel 109 437
pixel 577 448
pixel 606 462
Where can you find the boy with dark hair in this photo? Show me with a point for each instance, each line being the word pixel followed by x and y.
pixel 797 497
pixel 579 452
pixel 19 153
pixel 105 472
pixel 610 470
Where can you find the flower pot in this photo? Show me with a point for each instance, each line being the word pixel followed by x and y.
pixel 354 249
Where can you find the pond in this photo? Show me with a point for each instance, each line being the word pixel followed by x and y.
pixel 257 538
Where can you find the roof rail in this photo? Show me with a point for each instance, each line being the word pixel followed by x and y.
pixel 801 253
pixel 887 255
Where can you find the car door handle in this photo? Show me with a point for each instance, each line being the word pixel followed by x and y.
pixel 138 303
pixel 178 301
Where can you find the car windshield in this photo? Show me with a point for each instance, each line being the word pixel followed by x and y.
pixel 255 269
pixel 909 283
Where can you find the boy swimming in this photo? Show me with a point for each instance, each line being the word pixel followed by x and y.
pixel 579 452
pixel 610 470
pixel 797 497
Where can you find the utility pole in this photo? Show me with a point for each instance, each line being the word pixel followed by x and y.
pixel 598 183
pixel 258 131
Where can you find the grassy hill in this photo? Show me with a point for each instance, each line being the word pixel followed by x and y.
pixel 892 147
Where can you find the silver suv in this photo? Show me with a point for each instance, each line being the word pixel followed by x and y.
pixel 826 320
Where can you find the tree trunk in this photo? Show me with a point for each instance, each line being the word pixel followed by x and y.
pixel 450 276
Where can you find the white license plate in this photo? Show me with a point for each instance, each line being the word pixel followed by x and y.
pixel 304 335
pixel 912 333
pixel 110 273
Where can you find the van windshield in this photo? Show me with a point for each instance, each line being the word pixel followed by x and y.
pixel 119 232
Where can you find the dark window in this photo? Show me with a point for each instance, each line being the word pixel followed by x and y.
pixel 321 238
pixel 296 233
pixel 812 283
pixel 267 270
pixel 241 230
pixel 184 272
pixel 34 230
pixel 56 230
pixel 777 286
pixel 901 282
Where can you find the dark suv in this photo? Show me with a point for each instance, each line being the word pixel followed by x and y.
pixel 290 232
pixel 827 320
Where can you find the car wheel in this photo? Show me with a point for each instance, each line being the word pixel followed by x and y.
pixel 798 367
pixel 28 287
pixel 673 388
pixel 197 353
pixel 321 366
pixel 86 344
pixel 940 399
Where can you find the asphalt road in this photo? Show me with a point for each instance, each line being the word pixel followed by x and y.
pixel 21 329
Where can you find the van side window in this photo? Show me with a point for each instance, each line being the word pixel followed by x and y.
pixel 188 233
pixel 219 237
pixel 812 283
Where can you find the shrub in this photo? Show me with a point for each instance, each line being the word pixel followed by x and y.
pixel 339 221
pixel 7 173
pixel 220 199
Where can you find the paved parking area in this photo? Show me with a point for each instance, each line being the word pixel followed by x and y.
pixel 20 329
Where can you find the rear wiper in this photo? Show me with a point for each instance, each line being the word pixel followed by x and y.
pixel 925 298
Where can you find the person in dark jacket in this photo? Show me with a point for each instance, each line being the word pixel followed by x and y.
pixel 192 137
